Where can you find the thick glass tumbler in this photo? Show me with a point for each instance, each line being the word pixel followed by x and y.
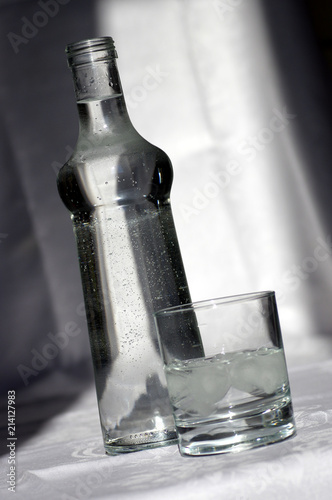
pixel 235 395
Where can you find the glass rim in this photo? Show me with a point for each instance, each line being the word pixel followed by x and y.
pixel 211 303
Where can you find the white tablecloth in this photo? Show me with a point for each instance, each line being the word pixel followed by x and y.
pixel 65 459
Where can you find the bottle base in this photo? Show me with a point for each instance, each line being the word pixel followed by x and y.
pixel 140 441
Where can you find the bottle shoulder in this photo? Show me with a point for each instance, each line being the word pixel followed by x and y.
pixel 115 174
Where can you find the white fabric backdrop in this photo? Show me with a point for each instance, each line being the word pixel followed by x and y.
pixel 247 215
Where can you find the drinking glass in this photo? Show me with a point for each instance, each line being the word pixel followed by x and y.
pixel 231 392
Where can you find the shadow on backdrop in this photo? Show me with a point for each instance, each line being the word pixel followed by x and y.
pixel 306 79
pixel 44 354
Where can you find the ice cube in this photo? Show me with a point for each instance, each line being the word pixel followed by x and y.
pixel 199 387
pixel 259 372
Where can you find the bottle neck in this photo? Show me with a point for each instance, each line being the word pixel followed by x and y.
pixel 98 89
pixel 103 117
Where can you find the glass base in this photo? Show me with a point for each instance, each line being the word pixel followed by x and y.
pixel 235 443
pixel 237 435
pixel 141 441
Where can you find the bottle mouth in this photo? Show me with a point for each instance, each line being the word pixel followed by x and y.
pixel 91 50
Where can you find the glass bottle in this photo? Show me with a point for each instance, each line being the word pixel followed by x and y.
pixel 117 187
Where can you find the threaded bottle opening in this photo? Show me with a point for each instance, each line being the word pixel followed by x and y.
pixel 91 50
